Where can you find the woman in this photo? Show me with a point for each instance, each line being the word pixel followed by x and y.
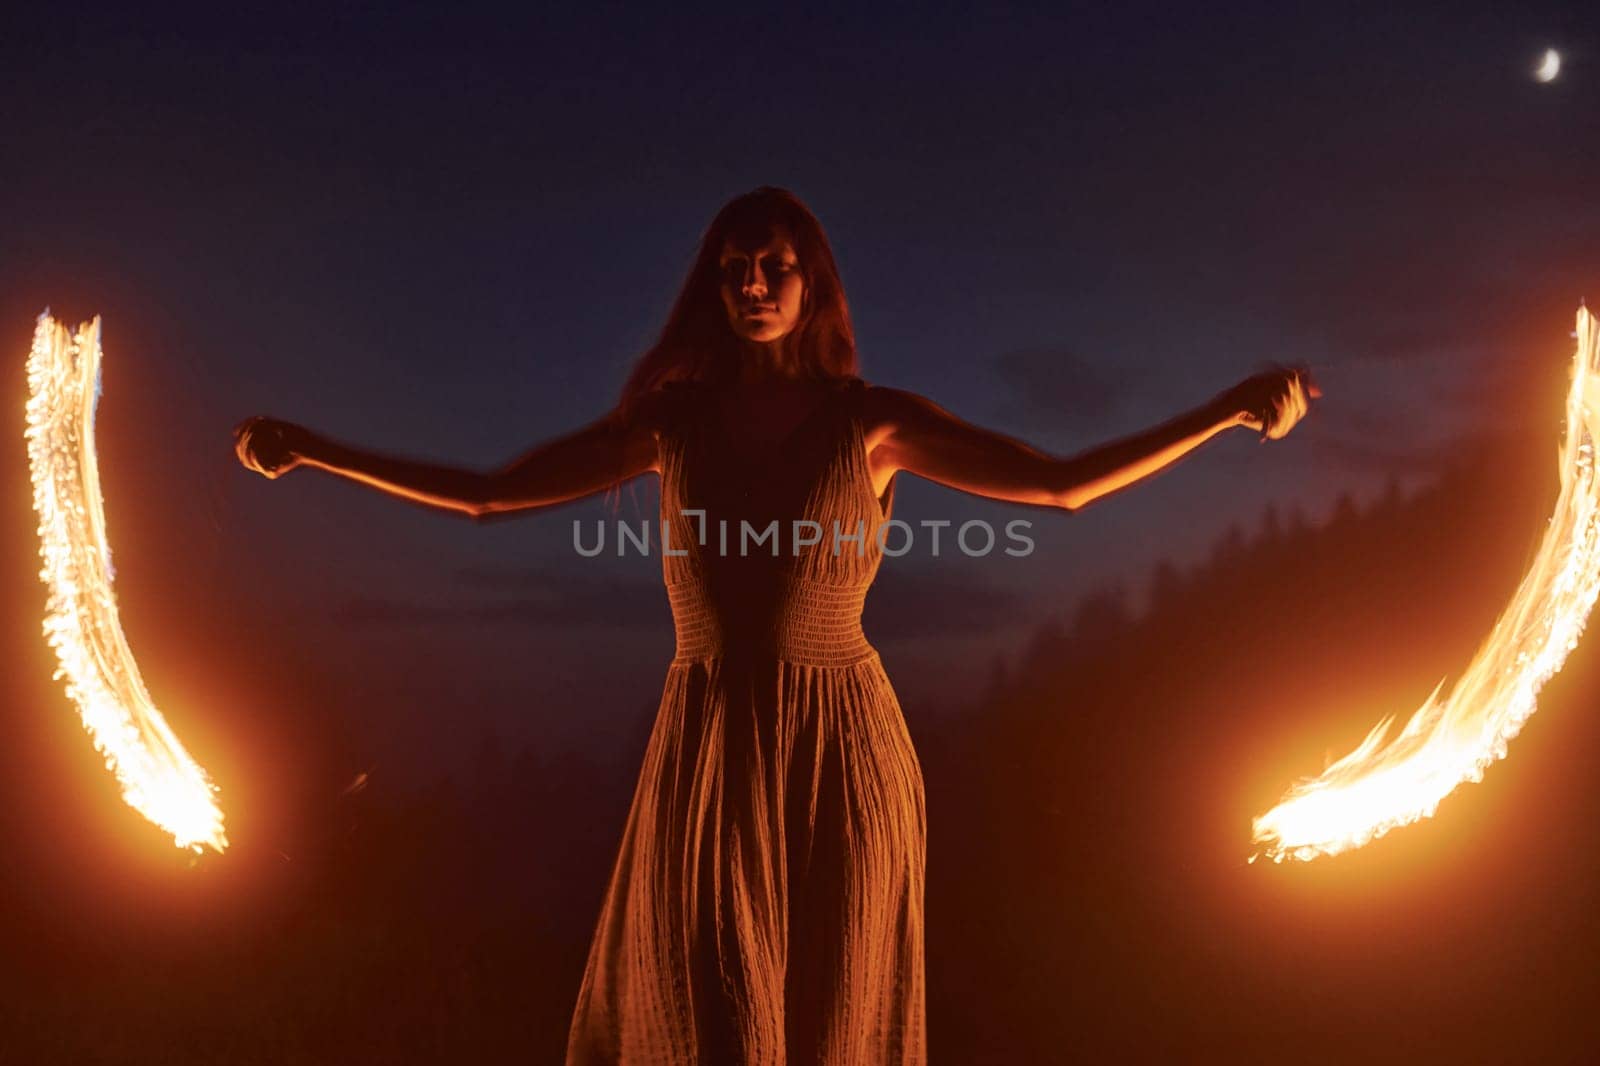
pixel 766 901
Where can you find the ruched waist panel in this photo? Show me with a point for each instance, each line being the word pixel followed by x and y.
pixel 805 622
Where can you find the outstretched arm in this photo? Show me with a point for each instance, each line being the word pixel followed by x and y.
pixel 604 453
pixel 911 433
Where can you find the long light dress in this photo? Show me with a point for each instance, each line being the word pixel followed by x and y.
pixel 766 904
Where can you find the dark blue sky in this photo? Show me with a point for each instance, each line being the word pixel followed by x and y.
pixel 447 233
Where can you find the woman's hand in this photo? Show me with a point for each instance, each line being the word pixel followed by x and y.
pixel 268 446
pixel 1273 401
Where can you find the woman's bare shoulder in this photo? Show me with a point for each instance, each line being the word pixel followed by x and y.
pixel 884 407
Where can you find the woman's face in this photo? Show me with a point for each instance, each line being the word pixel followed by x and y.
pixel 762 290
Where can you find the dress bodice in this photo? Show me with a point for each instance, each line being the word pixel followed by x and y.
pixel 770 556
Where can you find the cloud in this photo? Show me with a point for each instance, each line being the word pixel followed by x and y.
pixel 1045 386
pixel 1405 316
pixel 502 595
pixel 1475 302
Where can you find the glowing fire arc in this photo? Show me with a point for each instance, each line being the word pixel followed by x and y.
pixel 158 777
pixel 1380 786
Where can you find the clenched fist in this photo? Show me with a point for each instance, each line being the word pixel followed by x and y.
pixel 269 446
pixel 1273 401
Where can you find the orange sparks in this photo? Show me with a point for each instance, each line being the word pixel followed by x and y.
pixel 1380 785
pixel 158 777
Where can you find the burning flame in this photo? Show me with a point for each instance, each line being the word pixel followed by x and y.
pixel 158 777
pixel 1379 785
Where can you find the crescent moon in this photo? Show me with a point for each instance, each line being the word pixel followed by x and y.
pixel 1549 67
pixel 1380 786
pixel 158 777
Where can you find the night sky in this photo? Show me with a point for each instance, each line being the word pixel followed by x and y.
pixel 447 235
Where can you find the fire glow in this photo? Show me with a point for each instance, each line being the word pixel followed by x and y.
pixel 158 777
pixel 1380 786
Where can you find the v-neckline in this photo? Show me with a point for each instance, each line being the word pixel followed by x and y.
pixel 735 453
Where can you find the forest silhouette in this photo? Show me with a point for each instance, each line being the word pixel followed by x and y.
pixel 1089 897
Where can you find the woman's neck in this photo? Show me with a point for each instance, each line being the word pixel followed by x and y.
pixel 767 363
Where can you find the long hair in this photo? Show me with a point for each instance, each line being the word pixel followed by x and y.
pixel 697 343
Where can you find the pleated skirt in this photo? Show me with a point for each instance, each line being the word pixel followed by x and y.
pixel 766 903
